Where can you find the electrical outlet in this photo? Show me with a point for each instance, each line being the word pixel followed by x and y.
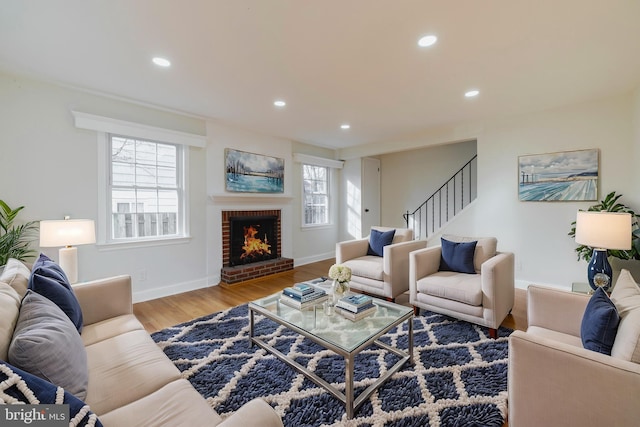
pixel 142 275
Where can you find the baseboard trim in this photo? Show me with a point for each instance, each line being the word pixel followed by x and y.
pixel 312 259
pixel 178 288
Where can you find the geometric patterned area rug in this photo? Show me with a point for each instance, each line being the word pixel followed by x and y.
pixel 459 376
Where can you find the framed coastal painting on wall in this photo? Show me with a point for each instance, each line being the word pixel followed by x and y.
pixel 253 173
pixel 564 176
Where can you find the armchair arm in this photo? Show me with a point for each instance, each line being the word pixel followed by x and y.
pixel 497 277
pixel 553 383
pixel 351 249
pixel 104 298
pixel 422 262
pixel 396 264
pixel 254 413
pixel 556 309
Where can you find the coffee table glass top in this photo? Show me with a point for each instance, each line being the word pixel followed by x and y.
pixel 335 329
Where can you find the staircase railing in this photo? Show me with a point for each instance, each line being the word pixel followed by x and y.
pixel 446 202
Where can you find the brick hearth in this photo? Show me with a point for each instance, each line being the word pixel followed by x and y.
pixel 240 273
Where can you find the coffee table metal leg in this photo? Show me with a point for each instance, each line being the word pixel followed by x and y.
pixel 410 340
pixel 348 385
pixel 251 328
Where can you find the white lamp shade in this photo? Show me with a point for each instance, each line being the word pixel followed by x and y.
pixel 604 230
pixel 67 232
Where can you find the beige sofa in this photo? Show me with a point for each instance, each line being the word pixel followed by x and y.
pixel 131 381
pixel 386 276
pixel 553 380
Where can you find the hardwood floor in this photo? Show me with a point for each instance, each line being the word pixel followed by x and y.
pixel 164 312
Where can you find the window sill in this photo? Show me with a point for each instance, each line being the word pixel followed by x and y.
pixel 133 244
pixel 316 227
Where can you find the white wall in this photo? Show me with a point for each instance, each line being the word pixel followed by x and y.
pixel 535 231
pixel 50 167
pixel 409 177
pixel 634 196
pixel 311 244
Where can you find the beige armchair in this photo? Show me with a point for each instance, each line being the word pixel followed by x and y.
pixel 484 297
pixel 386 276
pixel 554 381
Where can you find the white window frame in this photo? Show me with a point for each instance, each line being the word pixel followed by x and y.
pixel 332 165
pixel 105 126
pixel 180 189
pixel 327 194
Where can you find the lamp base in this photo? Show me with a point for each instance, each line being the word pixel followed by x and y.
pixel 599 266
pixel 69 262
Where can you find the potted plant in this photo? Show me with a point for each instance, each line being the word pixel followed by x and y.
pixel 619 259
pixel 15 239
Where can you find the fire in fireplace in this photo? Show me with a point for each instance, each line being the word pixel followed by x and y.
pixel 253 239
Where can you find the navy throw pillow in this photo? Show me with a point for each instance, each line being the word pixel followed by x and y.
pixel 48 279
pixel 457 256
pixel 599 323
pixel 378 240
pixel 44 391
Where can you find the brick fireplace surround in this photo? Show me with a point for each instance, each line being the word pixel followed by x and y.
pixel 240 273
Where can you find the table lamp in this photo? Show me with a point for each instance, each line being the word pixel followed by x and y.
pixel 601 231
pixel 67 233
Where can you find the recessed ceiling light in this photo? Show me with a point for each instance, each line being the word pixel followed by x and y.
pixel 427 40
pixel 279 103
pixel 161 62
pixel 472 93
pixel 345 126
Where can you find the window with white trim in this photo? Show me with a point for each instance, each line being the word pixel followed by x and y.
pixel 316 195
pixel 146 189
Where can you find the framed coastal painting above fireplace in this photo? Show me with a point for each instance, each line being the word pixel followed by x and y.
pixel 562 176
pixel 253 173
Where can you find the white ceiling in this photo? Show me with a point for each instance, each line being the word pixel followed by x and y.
pixel 333 61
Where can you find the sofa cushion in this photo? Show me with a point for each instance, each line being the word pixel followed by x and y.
pixel 18 386
pixel 110 328
pixel 126 368
pixel 10 308
pixel 555 336
pixel 378 240
pixel 48 279
pixel 485 248
pixel 457 256
pixel 626 297
pixel 371 267
pixel 177 404
pixel 464 288
pixel 599 323
pixel 16 275
pixel 46 344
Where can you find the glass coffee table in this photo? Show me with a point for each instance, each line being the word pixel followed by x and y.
pixel 340 335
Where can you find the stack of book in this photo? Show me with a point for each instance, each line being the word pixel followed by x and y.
pixel 355 307
pixel 302 296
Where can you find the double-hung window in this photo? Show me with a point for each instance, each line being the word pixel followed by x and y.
pixel 146 189
pixel 316 195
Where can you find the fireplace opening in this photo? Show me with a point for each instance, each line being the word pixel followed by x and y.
pixel 253 239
